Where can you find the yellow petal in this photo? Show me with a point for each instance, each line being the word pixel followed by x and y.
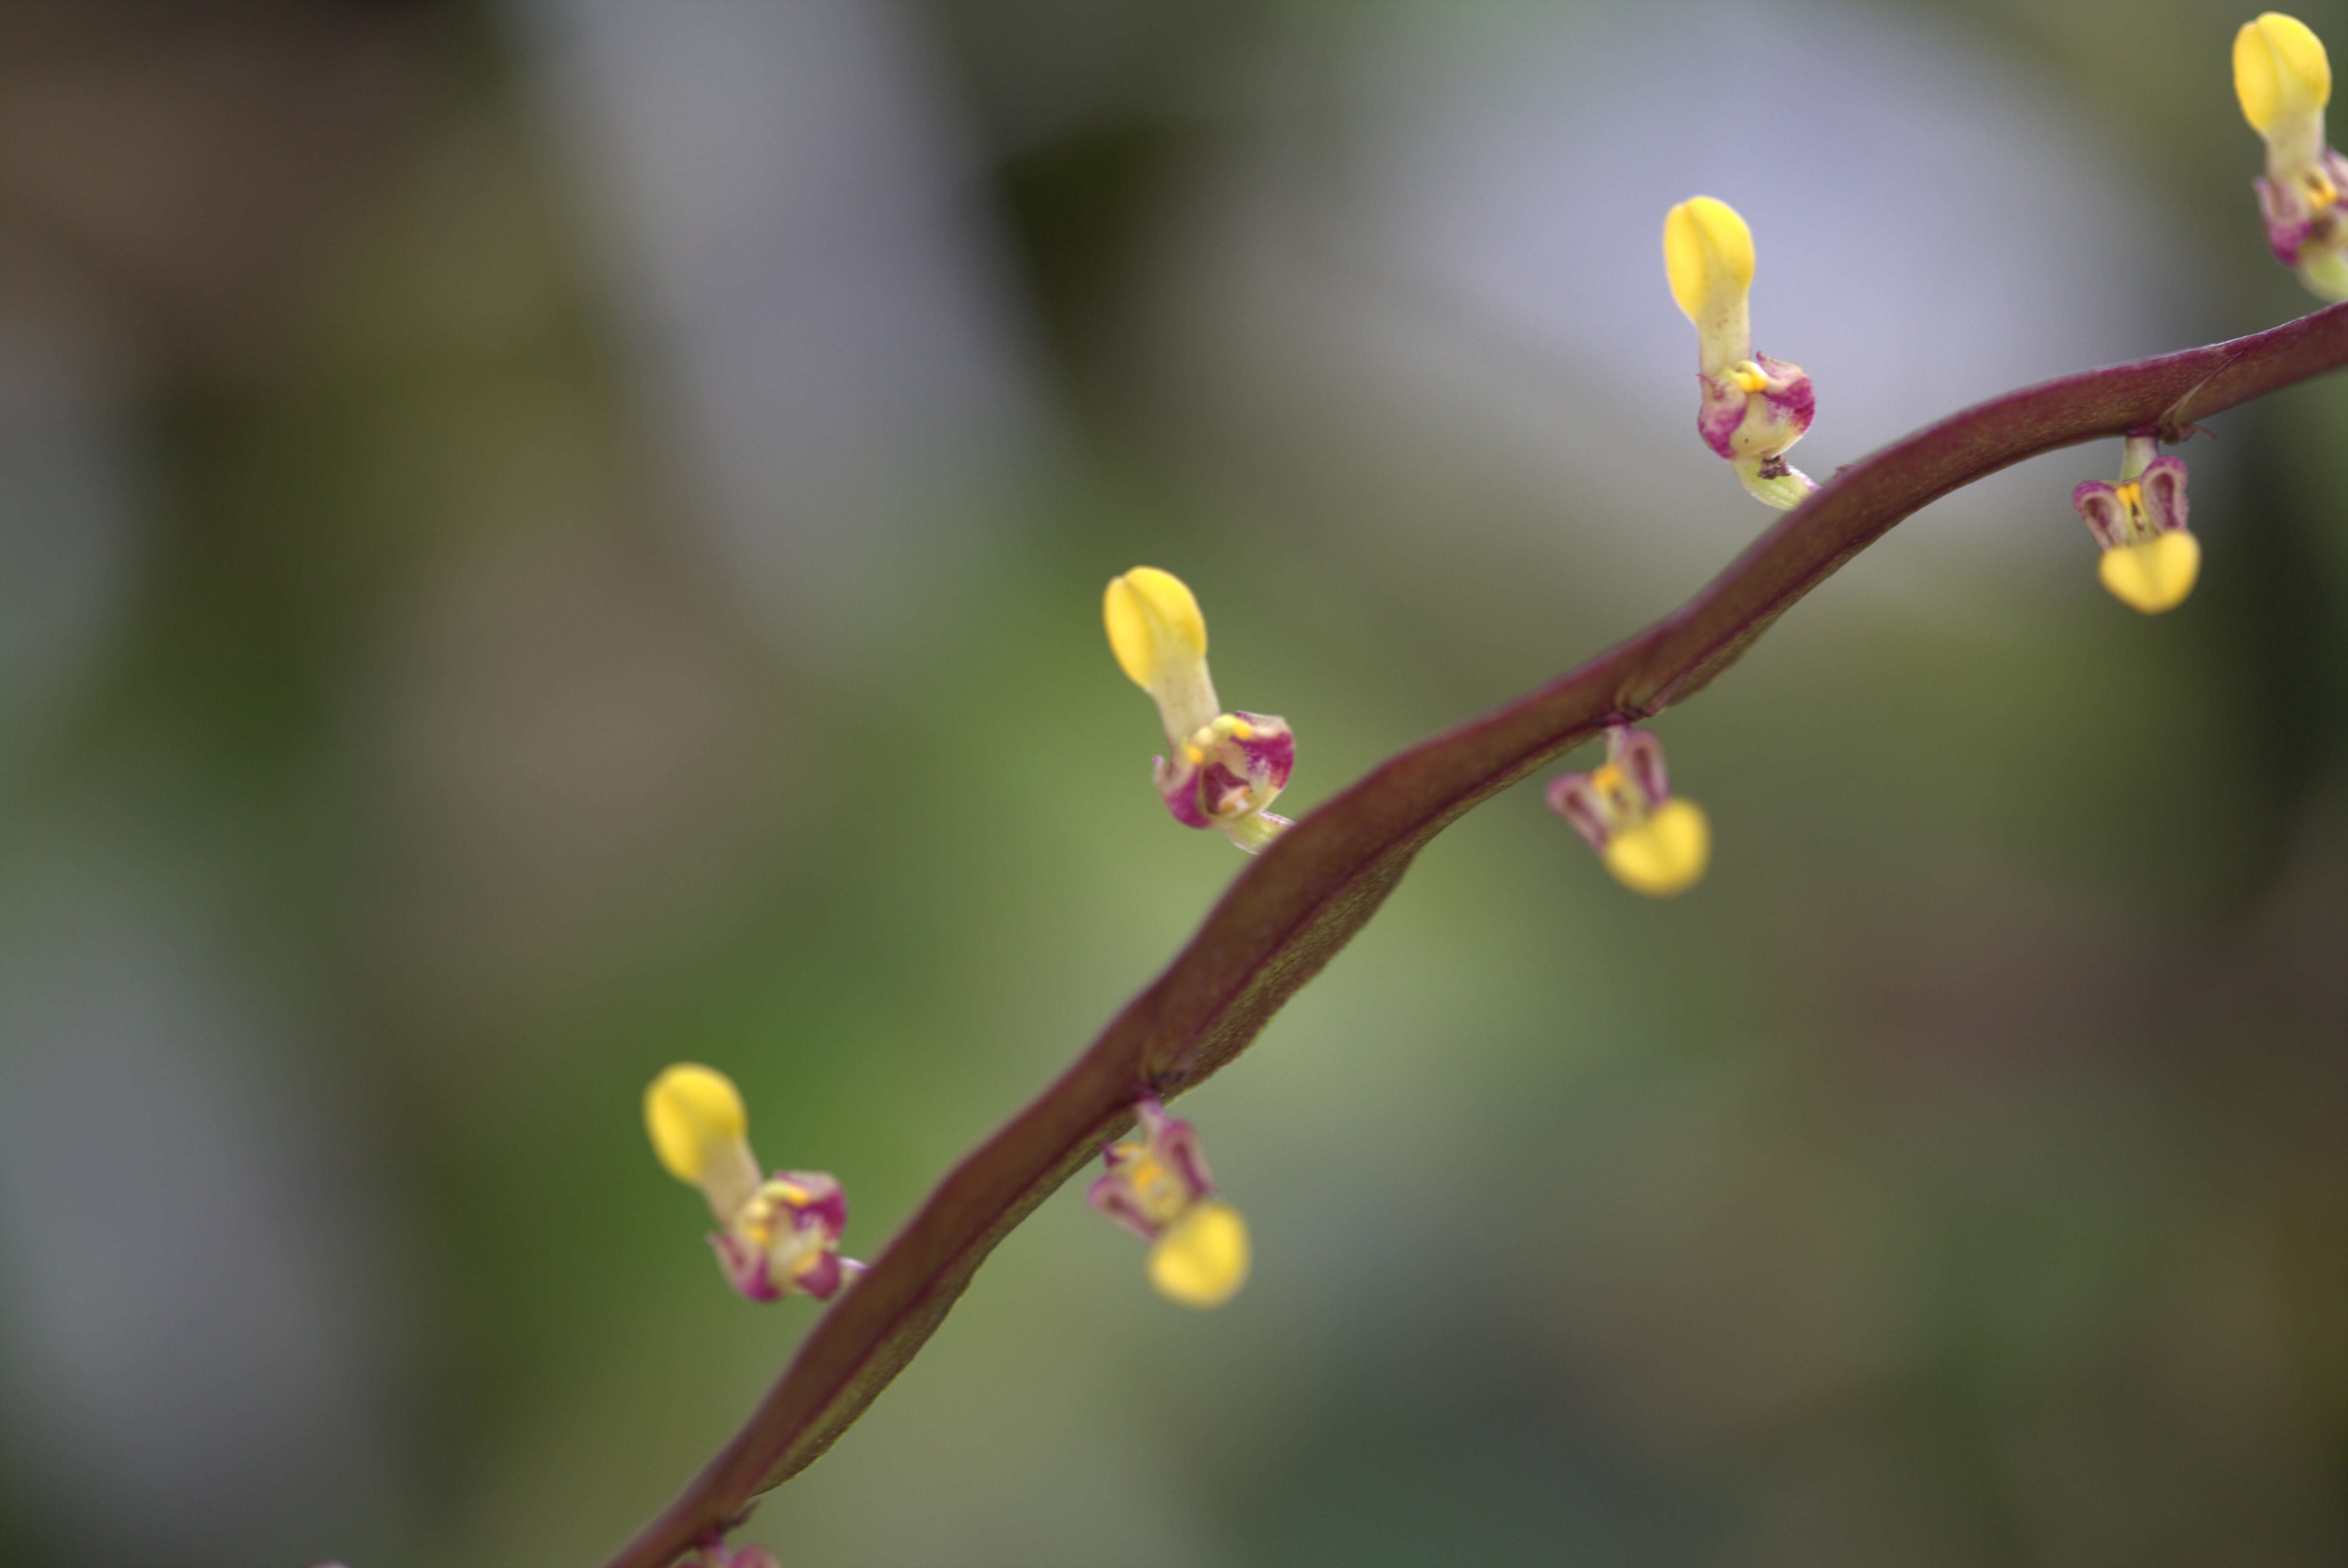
pixel 2280 70
pixel 2154 575
pixel 1663 855
pixel 693 1114
pixel 1707 251
pixel 1152 618
pixel 1202 1260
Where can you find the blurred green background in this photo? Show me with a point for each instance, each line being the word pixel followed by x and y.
pixel 541 540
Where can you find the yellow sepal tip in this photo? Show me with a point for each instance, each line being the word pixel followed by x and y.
pixel 693 1113
pixel 1152 616
pixel 1707 249
pixel 2154 575
pixel 1663 855
pixel 1203 1259
pixel 2279 70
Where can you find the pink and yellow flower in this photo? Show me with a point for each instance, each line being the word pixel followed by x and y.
pixel 2283 78
pixel 2149 561
pixel 778 1234
pixel 1652 841
pixel 1156 1186
pixel 1223 769
pixel 1752 408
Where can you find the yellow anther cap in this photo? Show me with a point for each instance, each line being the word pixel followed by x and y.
pixel 2281 71
pixel 693 1114
pixel 2154 575
pixel 1707 254
pixel 1665 854
pixel 1203 1259
pixel 1153 620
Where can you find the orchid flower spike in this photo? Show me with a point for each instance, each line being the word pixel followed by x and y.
pixel 1651 841
pixel 1224 768
pixel 1753 408
pixel 776 1235
pixel 2149 561
pixel 1156 1186
pixel 2283 78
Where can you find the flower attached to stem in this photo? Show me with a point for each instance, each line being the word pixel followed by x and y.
pixel 777 1234
pixel 1754 407
pixel 2283 79
pixel 2149 561
pixel 1156 1186
pixel 1225 768
pixel 1654 841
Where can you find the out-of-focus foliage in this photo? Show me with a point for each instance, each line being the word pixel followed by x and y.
pixel 543 540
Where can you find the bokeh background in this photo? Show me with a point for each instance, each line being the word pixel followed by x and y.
pixel 541 539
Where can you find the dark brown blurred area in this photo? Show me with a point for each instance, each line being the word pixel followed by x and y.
pixel 174 179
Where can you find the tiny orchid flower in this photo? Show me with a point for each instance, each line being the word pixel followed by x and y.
pixel 1157 1188
pixel 2284 80
pixel 1754 407
pixel 1225 768
pixel 1652 841
pixel 2149 561
pixel 777 1234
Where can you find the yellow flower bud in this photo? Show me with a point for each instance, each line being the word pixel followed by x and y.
pixel 1203 1259
pixel 2155 574
pixel 2280 72
pixel 696 1118
pixel 1708 257
pixel 1707 252
pixel 1153 623
pixel 1663 854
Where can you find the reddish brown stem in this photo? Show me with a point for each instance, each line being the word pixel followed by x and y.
pixel 1290 909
